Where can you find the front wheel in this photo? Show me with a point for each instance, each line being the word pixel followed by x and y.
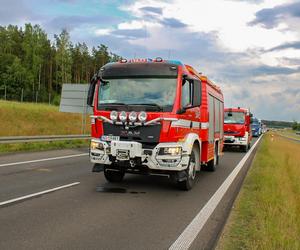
pixel 244 148
pixel 113 176
pixel 190 171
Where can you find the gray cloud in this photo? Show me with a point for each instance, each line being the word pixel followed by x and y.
pixel 71 22
pixel 271 17
pixel 150 9
pixel 173 23
pixel 14 12
pixel 248 1
pixel 290 61
pixel 269 70
pixel 293 45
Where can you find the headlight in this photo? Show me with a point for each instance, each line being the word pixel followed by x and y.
pixel 133 116
pixel 173 151
pixel 242 139
pixel 123 116
pixel 114 115
pixel 142 116
pixel 96 145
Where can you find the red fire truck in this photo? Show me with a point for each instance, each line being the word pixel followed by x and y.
pixel 237 128
pixel 155 117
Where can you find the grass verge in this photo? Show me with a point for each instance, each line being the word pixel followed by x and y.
pixel 266 214
pixel 289 133
pixel 27 119
pixel 38 146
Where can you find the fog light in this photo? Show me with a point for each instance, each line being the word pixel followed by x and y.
pixel 133 116
pixel 142 116
pixel 123 116
pixel 114 115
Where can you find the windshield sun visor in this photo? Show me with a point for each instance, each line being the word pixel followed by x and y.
pixel 137 70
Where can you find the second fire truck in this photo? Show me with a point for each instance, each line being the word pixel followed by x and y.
pixel 237 128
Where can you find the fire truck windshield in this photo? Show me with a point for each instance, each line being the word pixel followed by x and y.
pixel 156 92
pixel 234 118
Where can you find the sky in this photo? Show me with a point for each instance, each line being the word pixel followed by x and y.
pixel 250 48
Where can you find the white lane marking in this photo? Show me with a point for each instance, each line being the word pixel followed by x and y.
pixel 37 194
pixel 189 234
pixel 39 160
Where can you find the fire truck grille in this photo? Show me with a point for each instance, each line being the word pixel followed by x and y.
pixel 147 135
pixel 231 132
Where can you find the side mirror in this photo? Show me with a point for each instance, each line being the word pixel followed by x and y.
pixel 91 92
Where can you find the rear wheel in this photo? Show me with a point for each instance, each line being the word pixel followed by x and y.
pixel 190 171
pixel 114 175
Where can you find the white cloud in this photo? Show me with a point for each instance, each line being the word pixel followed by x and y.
pixel 100 32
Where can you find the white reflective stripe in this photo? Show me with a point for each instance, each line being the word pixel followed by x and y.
pixel 204 125
pixel 196 124
pixel 181 123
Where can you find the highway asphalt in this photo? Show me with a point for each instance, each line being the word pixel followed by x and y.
pixel 140 213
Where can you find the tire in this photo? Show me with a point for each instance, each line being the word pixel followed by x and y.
pixel 190 171
pixel 113 176
pixel 244 148
pixel 249 146
pixel 212 164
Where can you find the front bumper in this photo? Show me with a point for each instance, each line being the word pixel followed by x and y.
pixel 235 141
pixel 131 154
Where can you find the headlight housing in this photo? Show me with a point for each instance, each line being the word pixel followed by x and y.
pixel 132 116
pixel 114 115
pixel 123 116
pixel 172 151
pixel 242 138
pixel 96 145
pixel 142 116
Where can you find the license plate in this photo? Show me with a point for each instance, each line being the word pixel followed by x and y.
pixel 110 138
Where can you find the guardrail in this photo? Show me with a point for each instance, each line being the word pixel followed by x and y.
pixel 40 138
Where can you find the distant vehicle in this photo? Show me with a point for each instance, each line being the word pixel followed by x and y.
pixel 256 127
pixel 155 117
pixel 237 128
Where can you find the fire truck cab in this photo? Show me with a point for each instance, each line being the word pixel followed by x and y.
pixel 155 117
pixel 237 128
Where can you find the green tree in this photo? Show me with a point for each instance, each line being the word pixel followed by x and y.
pixel 63 57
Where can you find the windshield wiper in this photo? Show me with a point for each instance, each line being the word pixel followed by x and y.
pixel 147 104
pixel 113 103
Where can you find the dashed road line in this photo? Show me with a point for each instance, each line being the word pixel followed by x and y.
pixel 40 160
pixel 22 198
